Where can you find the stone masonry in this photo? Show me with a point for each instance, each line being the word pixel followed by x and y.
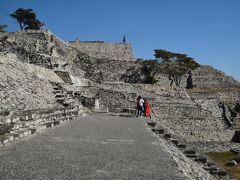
pixel 102 50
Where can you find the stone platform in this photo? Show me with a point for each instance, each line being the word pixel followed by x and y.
pixel 91 147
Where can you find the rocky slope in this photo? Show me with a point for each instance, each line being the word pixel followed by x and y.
pixel 25 86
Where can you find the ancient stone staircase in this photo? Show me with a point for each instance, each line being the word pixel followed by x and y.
pixel 65 98
pixel 191 154
pixel 23 123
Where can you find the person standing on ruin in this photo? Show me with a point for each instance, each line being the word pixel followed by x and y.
pixel 147 108
pixel 124 39
pixel 140 107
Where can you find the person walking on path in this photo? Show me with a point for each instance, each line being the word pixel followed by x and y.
pixel 147 108
pixel 140 107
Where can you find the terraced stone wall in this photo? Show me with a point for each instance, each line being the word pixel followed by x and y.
pixel 102 50
pixel 208 77
pixel 17 125
pixel 100 70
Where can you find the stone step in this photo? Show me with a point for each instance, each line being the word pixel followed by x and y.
pixel 151 124
pixel 21 133
pixel 30 123
pixel 201 159
pixel 56 123
pixel 167 136
pixel 160 131
pixel 211 164
pixel 189 151
pixel 4 139
pixel 212 168
pixel 70 101
pixel 222 173
pixel 57 91
pixel 192 156
pixel 154 130
pixel 174 141
pixel 40 128
pixel 57 88
pixel 181 146
pixel 60 100
pixel 49 124
pixel 59 95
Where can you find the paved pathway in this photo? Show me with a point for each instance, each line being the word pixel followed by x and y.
pixel 91 147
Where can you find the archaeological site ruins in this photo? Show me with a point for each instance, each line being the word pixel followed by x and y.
pixel 45 81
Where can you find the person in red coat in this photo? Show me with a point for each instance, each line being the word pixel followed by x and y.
pixel 147 108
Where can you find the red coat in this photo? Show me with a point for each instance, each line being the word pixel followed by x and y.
pixel 147 109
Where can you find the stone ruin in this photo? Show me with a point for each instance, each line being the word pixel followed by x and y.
pixel 39 70
pixel 102 50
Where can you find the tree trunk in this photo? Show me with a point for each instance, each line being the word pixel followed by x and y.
pixel 21 26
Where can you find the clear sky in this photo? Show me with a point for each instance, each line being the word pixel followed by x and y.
pixel 207 30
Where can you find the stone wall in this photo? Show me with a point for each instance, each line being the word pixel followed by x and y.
pixel 100 70
pixel 193 118
pixel 17 125
pixel 102 50
pixel 208 77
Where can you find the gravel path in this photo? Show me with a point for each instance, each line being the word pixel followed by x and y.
pixel 90 147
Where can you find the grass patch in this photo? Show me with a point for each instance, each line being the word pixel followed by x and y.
pixel 222 158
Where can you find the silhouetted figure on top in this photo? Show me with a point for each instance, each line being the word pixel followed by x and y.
pixel 189 81
pixel 124 39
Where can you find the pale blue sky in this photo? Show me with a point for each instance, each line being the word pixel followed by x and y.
pixel 207 30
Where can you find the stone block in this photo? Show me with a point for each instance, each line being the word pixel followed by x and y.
pixel 182 146
pixel 7 121
pixel 201 159
pixel 160 131
pixel 167 136
pixel 211 164
pixel 232 163
pixel 10 138
pixel 174 141
pixel 25 133
pixel 222 173
pixel 33 130
pixel 27 123
pixel 213 172
pixel 16 126
pixel 154 130
pixel 189 151
pixel 56 123
pixel 4 140
pixel 29 132
pixel 49 124
pixel 20 135
pixel 15 135
pixel 151 124
pixel 15 119
pixel 191 155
